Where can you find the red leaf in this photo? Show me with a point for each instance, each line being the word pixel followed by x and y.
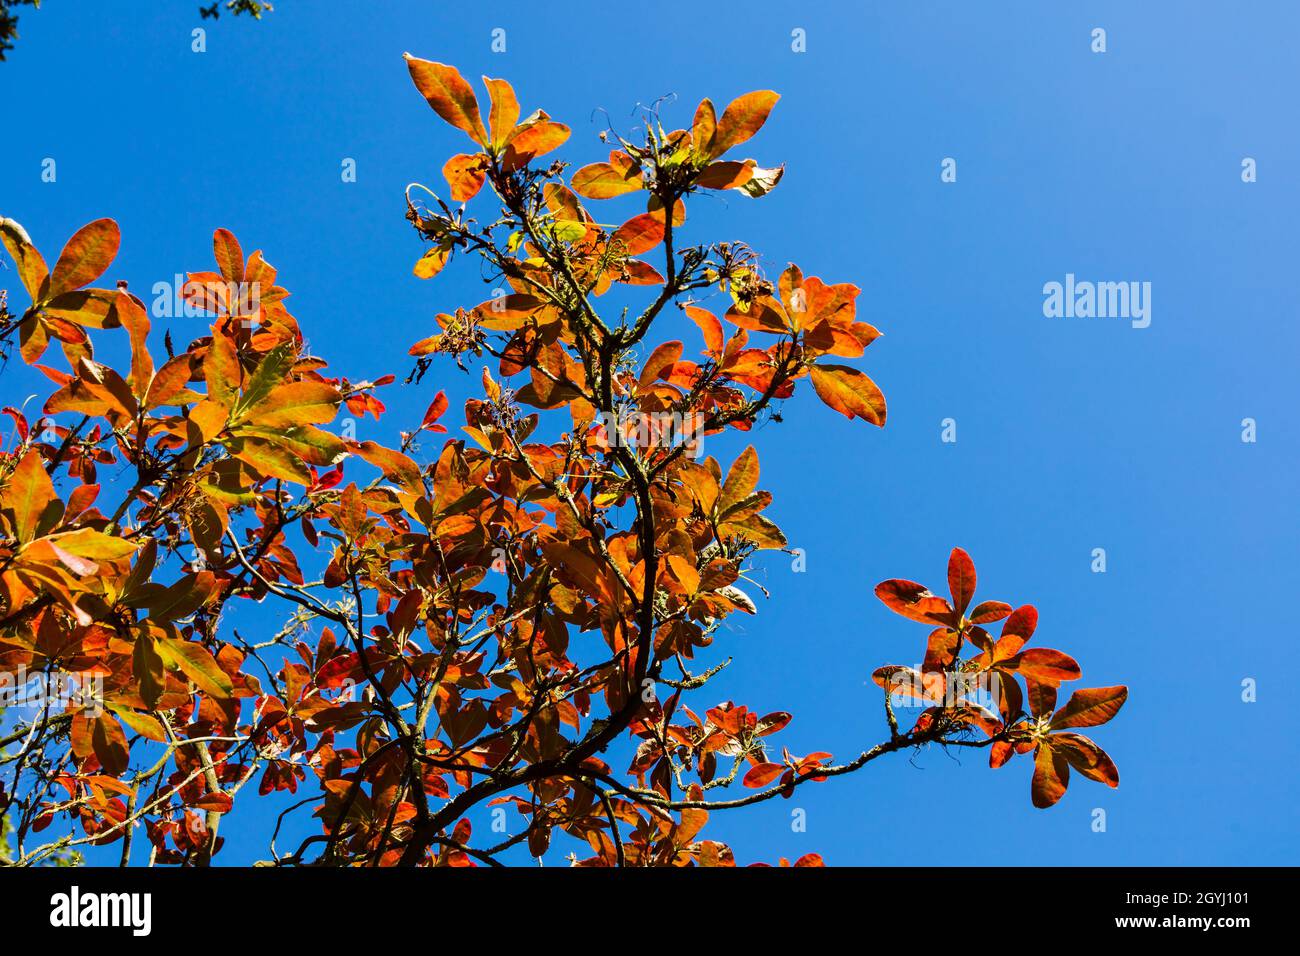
pixel 1051 777
pixel 913 601
pixel 987 612
pixel 434 412
pixel 772 723
pixel 763 774
pixel 1000 753
pixel 639 234
pixel 1045 664
pixel 1022 622
pixel 1090 707
pixel 1087 758
pixel 961 579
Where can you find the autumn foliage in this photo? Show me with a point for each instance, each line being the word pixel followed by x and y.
pixel 502 620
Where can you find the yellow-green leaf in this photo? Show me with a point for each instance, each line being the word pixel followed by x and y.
pixel 89 543
pixel 148 669
pixel 297 403
pixel 195 662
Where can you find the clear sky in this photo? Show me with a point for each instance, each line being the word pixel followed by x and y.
pixel 1072 433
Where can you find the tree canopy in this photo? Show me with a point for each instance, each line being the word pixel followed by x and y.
pixel 525 615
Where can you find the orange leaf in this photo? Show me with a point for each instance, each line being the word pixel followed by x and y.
pixel 763 774
pixel 1000 753
pixel 1021 624
pixel 726 175
pixel 913 601
pixel 395 466
pixel 1087 758
pixel 639 234
pixel 582 569
pixel 230 257
pixel 296 403
pixel 849 392
pixel 709 326
pixel 660 360
pixel 222 371
pixel 1090 707
pixel 531 140
pixel 28 498
pixel 704 127
pixel 741 120
pixel 742 479
pixel 109 743
pixel 604 181
pixel 465 174
pixel 32 269
pixel 961 579
pixel 504 113
pixel 986 612
pixel 197 663
pixel 87 254
pixel 133 318
pixel 431 263
pixel 1051 777
pixel 449 94
pixel 1046 665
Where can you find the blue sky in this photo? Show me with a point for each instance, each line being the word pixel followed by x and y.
pixel 1072 433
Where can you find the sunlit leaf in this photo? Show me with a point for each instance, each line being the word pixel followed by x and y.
pixel 913 601
pixel 742 118
pixel 1051 777
pixel 1090 707
pixel 849 392
pixel 449 94
pixel 85 257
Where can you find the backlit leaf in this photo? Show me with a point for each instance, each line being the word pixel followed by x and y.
pixel 1051 777
pixel 504 113
pixel 28 497
pixel 849 392
pixel 197 663
pixel 1090 707
pixel 604 181
pixel 465 174
pixel 31 267
pixel 763 774
pixel 742 118
pixel 85 257
pixel 961 579
pixel 913 601
pixel 449 94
